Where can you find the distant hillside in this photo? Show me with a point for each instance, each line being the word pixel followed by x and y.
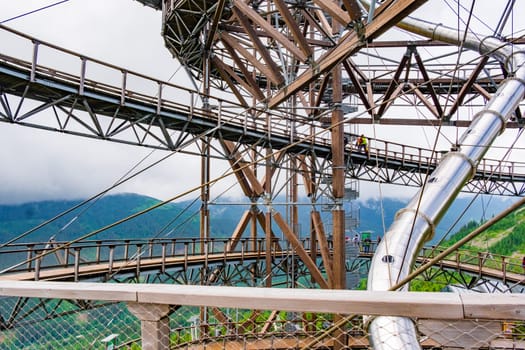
pixel 182 219
pixel 482 208
pixel 507 237
pixel 17 219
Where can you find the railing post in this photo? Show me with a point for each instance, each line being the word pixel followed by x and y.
pixel 159 98
pixel 480 261
pixel 30 256
pixel 185 256
pixel 82 76
pixel 150 248
pixel 33 63
pixel 155 328
pixel 110 258
pixel 163 267
pixel 77 263
pixel 97 256
pixel 504 269
pixel 206 245
pixel 123 88
pixel 212 246
pixel 66 256
pixel 126 250
pixel 194 240
pixel 138 254
pixel 173 249
pixel 38 262
pixel 219 113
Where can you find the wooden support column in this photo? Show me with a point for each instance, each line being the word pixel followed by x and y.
pixel 268 214
pixel 338 182
pixel 155 328
pixel 338 188
pixel 205 177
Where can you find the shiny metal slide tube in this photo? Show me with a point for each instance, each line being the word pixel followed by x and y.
pixel 415 224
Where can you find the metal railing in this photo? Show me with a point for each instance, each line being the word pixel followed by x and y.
pixel 41 260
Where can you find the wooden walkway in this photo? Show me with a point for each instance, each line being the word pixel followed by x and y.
pixel 93 270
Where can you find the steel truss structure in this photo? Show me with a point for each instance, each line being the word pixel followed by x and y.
pixel 297 72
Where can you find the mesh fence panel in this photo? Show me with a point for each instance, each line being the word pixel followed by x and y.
pixel 34 323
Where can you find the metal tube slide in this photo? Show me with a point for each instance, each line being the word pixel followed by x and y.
pixel 415 224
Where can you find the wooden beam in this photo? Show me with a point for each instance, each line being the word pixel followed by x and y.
pixel 428 83
pixel 394 83
pixel 334 9
pixel 323 22
pixel 258 44
pixel 241 226
pixel 262 222
pixel 254 90
pixel 424 100
pixel 467 86
pixel 309 184
pixel 346 47
pixel 214 25
pixel 358 87
pixel 293 27
pixel 274 75
pixel 227 78
pixel 245 175
pixel 323 246
pixel 354 10
pixel 267 27
pixel 296 245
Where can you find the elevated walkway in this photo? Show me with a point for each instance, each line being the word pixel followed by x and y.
pixel 151 118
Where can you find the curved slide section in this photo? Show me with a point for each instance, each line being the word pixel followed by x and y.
pixel 415 224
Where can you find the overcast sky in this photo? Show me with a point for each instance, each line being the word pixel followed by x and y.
pixel 40 165
pixel 44 165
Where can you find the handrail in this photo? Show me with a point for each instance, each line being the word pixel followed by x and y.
pixel 115 252
pixel 434 305
pixel 151 304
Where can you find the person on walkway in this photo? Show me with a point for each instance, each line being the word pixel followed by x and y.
pixel 362 144
pixel 356 240
pixel 366 245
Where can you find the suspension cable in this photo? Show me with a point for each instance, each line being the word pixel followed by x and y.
pixel 31 12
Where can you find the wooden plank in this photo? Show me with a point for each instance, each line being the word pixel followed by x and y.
pixel 493 306
pixel 69 290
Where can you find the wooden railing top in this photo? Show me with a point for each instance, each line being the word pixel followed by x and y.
pixel 410 304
